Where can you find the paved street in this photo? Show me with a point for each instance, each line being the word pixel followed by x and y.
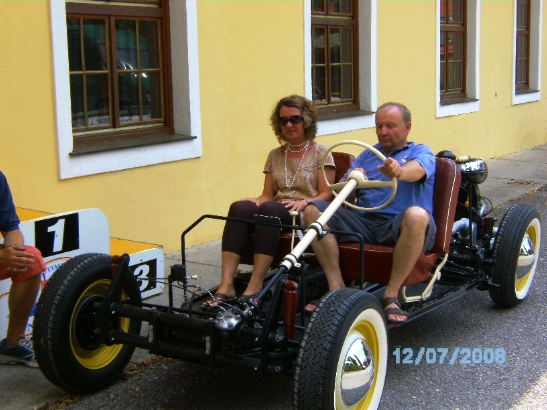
pixel 471 322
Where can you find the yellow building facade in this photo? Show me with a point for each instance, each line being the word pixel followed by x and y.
pixel 231 61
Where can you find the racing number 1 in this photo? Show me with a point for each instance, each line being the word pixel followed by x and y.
pixel 57 235
pixel 59 229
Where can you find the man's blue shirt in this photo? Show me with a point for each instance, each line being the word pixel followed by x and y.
pixel 408 193
pixel 9 221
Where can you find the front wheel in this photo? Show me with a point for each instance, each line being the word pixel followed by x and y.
pixel 516 251
pixel 342 360
pixel 67 347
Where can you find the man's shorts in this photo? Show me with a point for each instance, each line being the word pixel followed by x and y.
pixel 375 229
pixel 35 269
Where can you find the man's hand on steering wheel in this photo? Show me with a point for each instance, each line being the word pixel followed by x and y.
pixel 361 179
pixel 391 168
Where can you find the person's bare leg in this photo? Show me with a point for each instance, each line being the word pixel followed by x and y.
pixel 407 251
pixel 22 298
pixel 326 251
pixel 230 261
pixel 260 268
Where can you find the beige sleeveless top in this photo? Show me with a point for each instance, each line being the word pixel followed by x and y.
pixel 305 183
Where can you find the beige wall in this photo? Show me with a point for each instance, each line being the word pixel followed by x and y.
pixel 251 54
pixel 26 98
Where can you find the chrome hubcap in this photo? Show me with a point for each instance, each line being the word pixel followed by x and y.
pixel 357 373
pixel 526 257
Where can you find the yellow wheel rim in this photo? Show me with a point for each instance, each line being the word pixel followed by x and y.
pixel 104 355
pixel 527 259
pixel 368 327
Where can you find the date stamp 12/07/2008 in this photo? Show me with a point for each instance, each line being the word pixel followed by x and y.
pixel 452 356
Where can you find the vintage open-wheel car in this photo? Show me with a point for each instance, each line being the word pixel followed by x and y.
pixel 88 318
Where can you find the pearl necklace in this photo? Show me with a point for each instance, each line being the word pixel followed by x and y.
pixel 297 145
pixel 289 147
pixel 299 165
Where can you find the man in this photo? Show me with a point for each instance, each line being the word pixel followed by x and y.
pixel 23 264
pixel 406 222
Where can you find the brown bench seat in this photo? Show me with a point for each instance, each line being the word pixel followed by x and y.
pixel 378 259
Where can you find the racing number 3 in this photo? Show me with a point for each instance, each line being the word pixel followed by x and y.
pixel 57 235
pixel 146 274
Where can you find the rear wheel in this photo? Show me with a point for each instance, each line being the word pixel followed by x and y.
pixel 516 251
pixel 68 349
pixel 342 360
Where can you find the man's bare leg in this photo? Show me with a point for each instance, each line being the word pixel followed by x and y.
pixel 407 251
pixel 326 251
pixel 22 298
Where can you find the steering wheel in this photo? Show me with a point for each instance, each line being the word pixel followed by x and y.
pixel 361 181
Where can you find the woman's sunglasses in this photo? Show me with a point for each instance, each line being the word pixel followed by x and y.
pixel 294 119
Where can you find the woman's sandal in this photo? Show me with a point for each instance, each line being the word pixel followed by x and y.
pixel 245 298
pixel 218 298
pixel 393 311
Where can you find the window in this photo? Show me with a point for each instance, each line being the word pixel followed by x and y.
pixel 334 66
pixel 181 90
pixel 522 79
pixel 119 73
pixel 341 116
pixel 528 16
pixel 453 49
pixel 458 57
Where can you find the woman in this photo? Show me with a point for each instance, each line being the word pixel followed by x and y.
pixel 293 177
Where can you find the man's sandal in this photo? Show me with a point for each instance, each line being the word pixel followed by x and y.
pixel 393 311
pixel 314 304
pixel 217 300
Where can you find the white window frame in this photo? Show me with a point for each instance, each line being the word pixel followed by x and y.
pixel 536 43
pixel 472 73
pixel 186 100
pixel 368 79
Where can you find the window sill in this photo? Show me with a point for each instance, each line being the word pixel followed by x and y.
pixel 125 144
pixel 344 114
pixel 451 101
pixel 525 91
pixel 457 106
pixel 336 123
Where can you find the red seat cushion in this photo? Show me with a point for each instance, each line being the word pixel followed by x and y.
pixel 378 262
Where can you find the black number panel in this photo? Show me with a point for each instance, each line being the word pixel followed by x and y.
pixel 57 235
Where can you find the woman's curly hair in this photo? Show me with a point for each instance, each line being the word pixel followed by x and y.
pixel 306 107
